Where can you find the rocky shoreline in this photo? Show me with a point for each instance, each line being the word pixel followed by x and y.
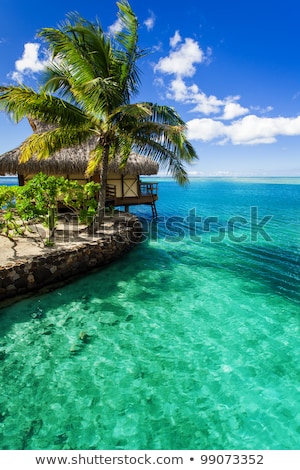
pixel 26 270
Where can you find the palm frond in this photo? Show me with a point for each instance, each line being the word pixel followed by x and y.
pixel 127 116
pixel 125 149
pixel 165 157
pixel 158 132
pixel 56 79
pixel 98 95
pixel 89 68
pixel 128 52
pixel 164 114
pixel 94 160
pixel 22 101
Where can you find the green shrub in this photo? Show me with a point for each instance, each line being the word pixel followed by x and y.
pixel 38 201
pixel 10 223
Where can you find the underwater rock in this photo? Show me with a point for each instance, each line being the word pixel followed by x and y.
pixel 37 314
pixel 84 336
pixel 75 349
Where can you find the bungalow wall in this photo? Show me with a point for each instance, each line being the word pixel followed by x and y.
pixel 126 185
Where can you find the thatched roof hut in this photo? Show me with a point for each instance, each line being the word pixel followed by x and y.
pixel 71 160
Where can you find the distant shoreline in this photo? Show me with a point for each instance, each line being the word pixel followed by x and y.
pixel 4 179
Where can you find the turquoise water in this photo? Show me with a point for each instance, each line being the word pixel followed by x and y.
pixel 186 343
pixel 8 181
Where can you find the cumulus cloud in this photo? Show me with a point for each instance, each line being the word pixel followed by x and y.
pixel 223 120
pixel 181 62
pixel 205 129
pixel 149 22
pixel 182 57
pixel 228 108
pixel 175 40
pixel 232 109
pixel 249 130
pixel 30 61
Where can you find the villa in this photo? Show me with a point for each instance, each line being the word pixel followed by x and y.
pixel 124 185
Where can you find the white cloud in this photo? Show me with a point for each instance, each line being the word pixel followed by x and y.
pixel 159 82
pixel 30 59
pixel 181 61
pixel 266 110
pixel 116 27
pixel 175 40
pixel 207 105
pixel 157 47
pixel 233 109
pixel 182 58
pixel 149 23
pixel 253 129
pixel 205 129
pixel 223 120
pixel 16 76
pixel 260 110
pixel 30 62
pixel 249 130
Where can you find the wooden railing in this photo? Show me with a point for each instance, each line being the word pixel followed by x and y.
pixel 147 194
pixel 148 189
pixel 110 192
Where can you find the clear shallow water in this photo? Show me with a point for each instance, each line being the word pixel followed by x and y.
pixel 182 344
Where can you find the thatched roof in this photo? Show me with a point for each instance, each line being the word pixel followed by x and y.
pixel 72 160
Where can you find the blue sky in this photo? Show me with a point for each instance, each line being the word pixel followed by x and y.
pixel 231 69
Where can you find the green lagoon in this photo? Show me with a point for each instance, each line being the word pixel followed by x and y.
pixel 189 342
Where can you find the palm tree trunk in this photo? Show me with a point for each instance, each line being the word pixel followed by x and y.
pixel 102 193
pixel 51 221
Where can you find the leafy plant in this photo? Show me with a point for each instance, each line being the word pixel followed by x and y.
pixel 10 222
pixel 81 199
pixel 38 200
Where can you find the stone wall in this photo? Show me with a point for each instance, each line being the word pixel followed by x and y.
pixel 22 276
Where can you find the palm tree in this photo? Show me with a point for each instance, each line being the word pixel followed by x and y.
pixel 87 90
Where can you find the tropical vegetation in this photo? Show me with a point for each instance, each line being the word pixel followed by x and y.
pixel 87 90
pixel 22 207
